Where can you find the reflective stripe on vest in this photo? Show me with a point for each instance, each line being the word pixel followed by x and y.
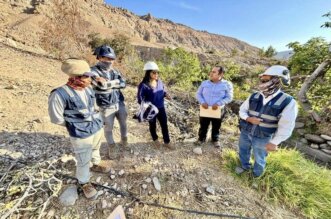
pixel 89 115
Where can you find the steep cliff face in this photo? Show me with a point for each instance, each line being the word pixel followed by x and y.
pixel 20 20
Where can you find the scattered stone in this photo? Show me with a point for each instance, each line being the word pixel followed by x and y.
pixel 147 158
pixel 210 190
pixel 98 179
pixel 121 172
pixel 109 205
pixel 197 150
pixel 104 203
pixel 327 151
pixel 156 183
pixel 2 145
pixel 329 142
pixel 186 203
pixel 314 138
pixel 112 171
pixel 148 180
pixel 144 186
pixel 38 120
pixel 301 132
pixel 315 146
pixel 303 140
pixel 100 192
pixel 226 204
pixel 65 158
pixel 112 176
pixel 11 87
pixel 105 184
pixel 324 146
pixel 69 196
pixel 130 211
pixel 299 125
pixel 204 185
pixel 326 137
pixel 119 196
pixel 136 153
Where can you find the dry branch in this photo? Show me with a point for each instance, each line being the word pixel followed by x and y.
pixel 306 105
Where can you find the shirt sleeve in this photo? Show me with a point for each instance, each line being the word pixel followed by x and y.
pixel 286 123
pixel 56 109
pixel 199 94
pixel 140 93
pixel 243 111
pixel 228 95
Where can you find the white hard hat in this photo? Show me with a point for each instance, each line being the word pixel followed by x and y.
pixel 280 71
pixel 151 66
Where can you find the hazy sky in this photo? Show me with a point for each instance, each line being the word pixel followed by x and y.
pixel 258 22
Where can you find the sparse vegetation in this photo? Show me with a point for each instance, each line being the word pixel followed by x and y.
pixel 65 22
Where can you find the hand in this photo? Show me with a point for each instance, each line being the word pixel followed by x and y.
pixel 204 105
pixel 168 97
pixel 254 120
pixel 271 147
pixel 215 107
pixel 100 79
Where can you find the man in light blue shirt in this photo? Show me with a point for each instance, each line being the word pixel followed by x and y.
pixel 214 93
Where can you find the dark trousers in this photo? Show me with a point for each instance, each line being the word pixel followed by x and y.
pixel 162 117
pixel 215 128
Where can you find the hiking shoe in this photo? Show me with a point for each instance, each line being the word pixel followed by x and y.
pixel 217 144
pixel 198 143
pixel 156 143
pixel 113 151
pixel 102 167
pixel 170 146
pixel 239 170
pixel 89 190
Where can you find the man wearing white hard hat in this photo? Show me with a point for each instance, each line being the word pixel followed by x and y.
pixel 72 106
pixel 267 118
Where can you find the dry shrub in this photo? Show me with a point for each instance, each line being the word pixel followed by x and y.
pixel 65 31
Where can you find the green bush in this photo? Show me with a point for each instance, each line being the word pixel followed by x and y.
pixel 179 67
pixel 291 179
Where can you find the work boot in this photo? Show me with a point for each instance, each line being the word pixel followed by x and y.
pixel 216 144
pixel 102 167
pixel 170 146
pixel 113 151
pixel 89 190
pixel 124 143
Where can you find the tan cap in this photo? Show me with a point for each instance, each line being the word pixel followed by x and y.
pixel 75 67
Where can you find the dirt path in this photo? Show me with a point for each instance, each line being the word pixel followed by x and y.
pixel 25 130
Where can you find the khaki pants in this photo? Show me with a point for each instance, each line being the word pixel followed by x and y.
pixel 86 151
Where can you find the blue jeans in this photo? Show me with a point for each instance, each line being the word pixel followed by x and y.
pixel 247 142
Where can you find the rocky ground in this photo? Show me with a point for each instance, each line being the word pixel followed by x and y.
pixel 35 154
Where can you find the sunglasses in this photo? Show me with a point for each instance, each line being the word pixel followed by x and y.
pixel 264 80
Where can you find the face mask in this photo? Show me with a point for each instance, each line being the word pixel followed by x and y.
pixel 105 65
pixel 270 87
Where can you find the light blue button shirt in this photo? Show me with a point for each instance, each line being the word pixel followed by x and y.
pixel 219 93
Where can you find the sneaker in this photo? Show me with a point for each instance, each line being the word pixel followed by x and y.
pixel 170 146
pixel 89 190
pixel 102 167
pixel 239 170
pixel 217 144
pixel 113 151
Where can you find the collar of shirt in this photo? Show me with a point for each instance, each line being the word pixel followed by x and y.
pixel 266 100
